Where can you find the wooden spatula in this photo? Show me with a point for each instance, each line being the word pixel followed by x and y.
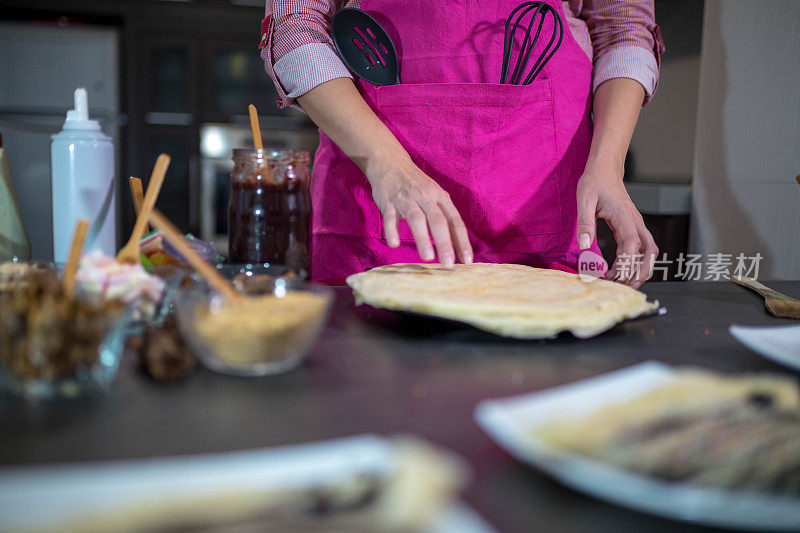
pixel 776 303
pixel 130 252
pixel 75 249
pixel 209 273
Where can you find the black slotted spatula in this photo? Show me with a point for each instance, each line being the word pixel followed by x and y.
pixel 365 47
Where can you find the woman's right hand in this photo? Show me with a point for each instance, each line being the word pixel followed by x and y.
pixel 402 191
pixel 399 187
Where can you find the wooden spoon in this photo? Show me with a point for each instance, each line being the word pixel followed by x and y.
pixel 130 252
pixel 209 273
pixel 776 303
pixel 75 249
pixel 137 193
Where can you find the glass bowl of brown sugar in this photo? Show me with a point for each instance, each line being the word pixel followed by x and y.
pixel 269 331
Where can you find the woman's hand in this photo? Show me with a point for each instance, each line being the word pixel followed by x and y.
pixel 601 194
pixel 402 191
pixel 399 187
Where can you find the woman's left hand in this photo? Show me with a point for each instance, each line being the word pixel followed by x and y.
pixel 601 194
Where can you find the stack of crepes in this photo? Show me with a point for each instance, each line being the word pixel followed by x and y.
pixel 510 300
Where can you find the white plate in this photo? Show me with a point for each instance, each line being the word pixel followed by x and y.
pixel 41 496
pixel 512 421
pixel 778 343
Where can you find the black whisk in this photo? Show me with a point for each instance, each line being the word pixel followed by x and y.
pixel 540 12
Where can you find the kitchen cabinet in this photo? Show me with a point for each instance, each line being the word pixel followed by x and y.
pixel 168 121
pixel 169 70
pixel 189 81
pixel 181 182
pixel 233 77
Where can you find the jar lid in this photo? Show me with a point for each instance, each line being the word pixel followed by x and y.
pixel 270 153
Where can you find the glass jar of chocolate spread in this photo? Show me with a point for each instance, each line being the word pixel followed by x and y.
pixel 268 213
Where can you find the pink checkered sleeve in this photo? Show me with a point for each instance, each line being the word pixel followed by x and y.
pixel 297 51
pixel 620 35
pixel 626 41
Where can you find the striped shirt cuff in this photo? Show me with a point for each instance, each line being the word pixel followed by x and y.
pixel 632 62
pixel 307 66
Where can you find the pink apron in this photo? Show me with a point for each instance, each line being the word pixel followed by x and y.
pixel 509 155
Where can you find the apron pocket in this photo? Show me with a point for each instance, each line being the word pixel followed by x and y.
pixel 491 146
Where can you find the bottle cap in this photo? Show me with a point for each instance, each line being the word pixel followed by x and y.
pixel 78 118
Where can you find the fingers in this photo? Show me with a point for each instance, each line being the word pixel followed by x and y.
pixel 440 230
pixel 636 249
pixel 623 222
pixel 457 228
pixel 587 213
pixel 629 245
pixel 390 233
pixel 419 229
pixel 649 254
pixel 429 213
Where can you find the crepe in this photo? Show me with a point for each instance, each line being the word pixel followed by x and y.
pixel 510 300
pixel 738 433
pixel 423 481
pixel 692 391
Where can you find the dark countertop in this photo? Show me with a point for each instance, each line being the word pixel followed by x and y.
pixel 376 372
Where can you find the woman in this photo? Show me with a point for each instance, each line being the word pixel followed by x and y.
pixel 490 172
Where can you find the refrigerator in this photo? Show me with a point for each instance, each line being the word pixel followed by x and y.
pixel 40 66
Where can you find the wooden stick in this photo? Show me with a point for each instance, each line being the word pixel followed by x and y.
pixel 75 249
pixel 130 252
pixel 257 142
pixel 255 127
pixel 208 272
pixel 137 193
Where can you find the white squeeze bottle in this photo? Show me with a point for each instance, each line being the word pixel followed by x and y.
pixel 82 162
